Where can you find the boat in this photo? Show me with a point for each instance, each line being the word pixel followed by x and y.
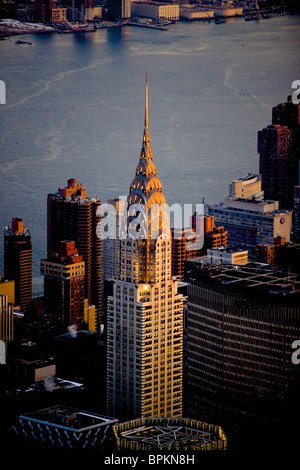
pixel 249 18
pixel 23 42
pixel 219 21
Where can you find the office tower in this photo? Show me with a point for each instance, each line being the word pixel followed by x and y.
pixel 119 9
pixel 18 261
pixel 251 222
pixel 246 187
pixel 145 312
pixel 296 215
pixel 71 215
pixel 64 276
pixel 6 322
pixel 241 324
pixel 279 150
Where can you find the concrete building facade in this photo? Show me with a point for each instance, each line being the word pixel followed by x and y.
pixel 251 222
pixel 155 10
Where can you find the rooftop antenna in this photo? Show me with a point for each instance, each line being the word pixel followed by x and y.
pixel 146 104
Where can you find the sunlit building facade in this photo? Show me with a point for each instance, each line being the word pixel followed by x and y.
pixel 64 276
pixel 71 215
pixel 145 312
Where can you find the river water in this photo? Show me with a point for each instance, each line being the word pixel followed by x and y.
pixel 75 108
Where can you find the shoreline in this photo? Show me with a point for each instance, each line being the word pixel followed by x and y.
pixel 12 28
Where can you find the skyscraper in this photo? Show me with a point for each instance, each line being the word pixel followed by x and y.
pixel 241 324
pixel 18 261
pixel 64 275
pixel 145 312
pixel 71 215
pixel 279 150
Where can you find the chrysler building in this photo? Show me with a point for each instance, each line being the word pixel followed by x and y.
pixel 145 311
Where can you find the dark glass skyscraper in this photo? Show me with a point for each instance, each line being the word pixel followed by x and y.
pixel 279 150
pixel 241 324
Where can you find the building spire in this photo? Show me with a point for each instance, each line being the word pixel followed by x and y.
pixel 146 104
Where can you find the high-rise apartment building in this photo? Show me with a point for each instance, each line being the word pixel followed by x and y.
pixel 71 215
pixel 64 276
pixel 145 312
pixel 18 261
pixel 279 150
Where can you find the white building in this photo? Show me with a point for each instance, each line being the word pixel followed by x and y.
pixel 226 255
pixel 250 222
pixel 246 187
pixel 195 12
pixel 155 11
pixel 145 312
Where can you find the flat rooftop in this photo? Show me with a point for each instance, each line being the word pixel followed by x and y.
pixel 169 433
pixel 250 276
pixel 68 418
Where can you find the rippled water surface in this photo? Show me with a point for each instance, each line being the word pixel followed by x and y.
pixel 75 108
